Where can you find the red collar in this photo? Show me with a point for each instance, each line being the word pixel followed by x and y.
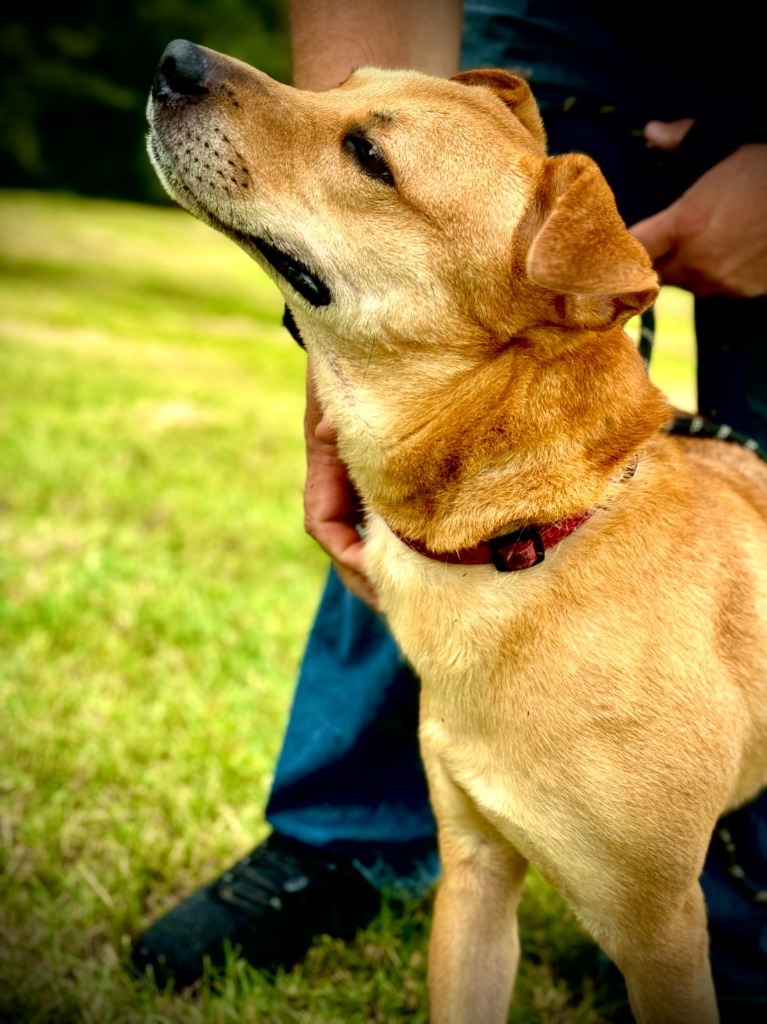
pixel 520 549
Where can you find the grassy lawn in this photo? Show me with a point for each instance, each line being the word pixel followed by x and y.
pixel 156 588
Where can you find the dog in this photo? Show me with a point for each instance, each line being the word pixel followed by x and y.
pixel 462 297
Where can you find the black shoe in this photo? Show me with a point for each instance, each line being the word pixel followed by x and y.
pixel 268 908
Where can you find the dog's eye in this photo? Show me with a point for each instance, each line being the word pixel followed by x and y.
pixel 369 157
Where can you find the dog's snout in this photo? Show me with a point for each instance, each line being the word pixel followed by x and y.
pixel 182 71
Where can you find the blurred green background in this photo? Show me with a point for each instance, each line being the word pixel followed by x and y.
pixel 74 79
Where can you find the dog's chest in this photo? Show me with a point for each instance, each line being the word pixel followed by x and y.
pixel 471 635
pixel 512 779
pixel 454 623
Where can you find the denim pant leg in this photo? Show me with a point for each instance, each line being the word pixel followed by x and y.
pixel 349 777
pixel 732 363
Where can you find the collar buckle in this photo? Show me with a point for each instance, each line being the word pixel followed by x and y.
pixel 521 549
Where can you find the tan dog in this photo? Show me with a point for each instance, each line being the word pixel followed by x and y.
pixel 462 297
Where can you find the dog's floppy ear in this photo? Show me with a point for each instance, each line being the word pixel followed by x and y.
pixel 583 245
pixel 515 93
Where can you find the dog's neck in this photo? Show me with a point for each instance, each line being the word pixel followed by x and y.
pixel 527 436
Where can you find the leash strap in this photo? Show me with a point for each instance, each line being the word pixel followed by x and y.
pixel 697 426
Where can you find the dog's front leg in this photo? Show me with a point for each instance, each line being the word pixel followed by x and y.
pixel 474 947
pixel 664 957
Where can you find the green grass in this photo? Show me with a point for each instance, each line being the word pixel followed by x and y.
pixel 156 588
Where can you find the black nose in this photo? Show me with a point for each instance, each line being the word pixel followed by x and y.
pixel 181 72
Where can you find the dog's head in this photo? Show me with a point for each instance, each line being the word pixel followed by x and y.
pixel 397 207
pixel 460 293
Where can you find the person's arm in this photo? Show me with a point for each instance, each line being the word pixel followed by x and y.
pixel 329 38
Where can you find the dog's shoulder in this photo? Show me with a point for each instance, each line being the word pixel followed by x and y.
pixel 727 465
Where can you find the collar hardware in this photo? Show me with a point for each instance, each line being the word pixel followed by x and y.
pixel 519 550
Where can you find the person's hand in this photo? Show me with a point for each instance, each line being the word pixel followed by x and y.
pixel 332 508
pixel 713 239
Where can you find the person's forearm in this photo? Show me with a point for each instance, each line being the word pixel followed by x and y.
pixel 329 38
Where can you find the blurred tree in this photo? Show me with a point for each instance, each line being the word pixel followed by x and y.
pixel 75 76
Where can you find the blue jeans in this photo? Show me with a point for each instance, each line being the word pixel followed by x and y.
pixel 349 778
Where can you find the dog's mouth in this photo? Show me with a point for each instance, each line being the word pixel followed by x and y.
pixel 307 282
pixel 297 274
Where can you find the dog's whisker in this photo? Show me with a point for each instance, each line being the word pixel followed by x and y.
pixel 365 374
